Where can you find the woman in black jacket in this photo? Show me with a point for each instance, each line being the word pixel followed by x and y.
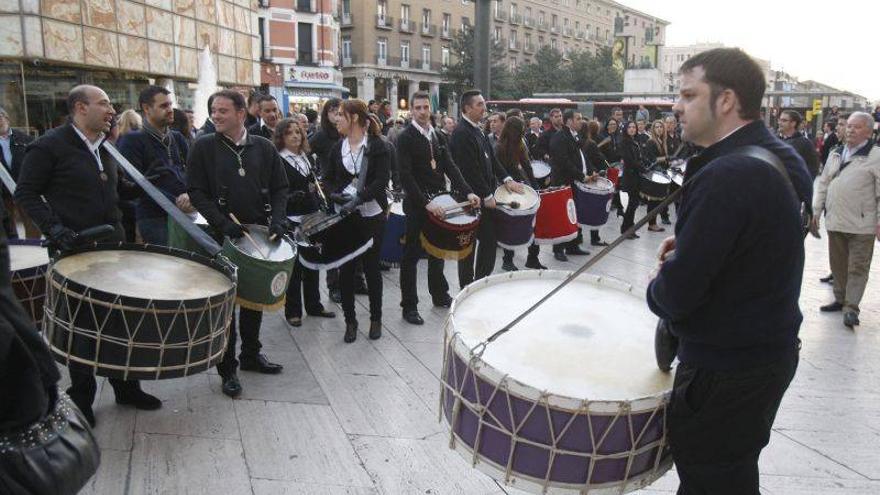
pixel 588 135
pixel 609 146
pixel 293 146
pixel 655 154
pixel 631 155
pixel 361 193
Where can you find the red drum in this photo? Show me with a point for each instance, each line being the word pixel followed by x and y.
pixel 557 218
pixel 453 237
pixel 613 173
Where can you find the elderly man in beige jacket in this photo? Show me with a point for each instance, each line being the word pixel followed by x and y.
pixel 849 192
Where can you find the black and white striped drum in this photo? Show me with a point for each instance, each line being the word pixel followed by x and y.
pixel 570 399
pixel 131 311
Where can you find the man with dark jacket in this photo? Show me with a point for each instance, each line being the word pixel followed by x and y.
pixel 269 116
pixel 542 145
pixel 160 154
pixel 737 338
pixel 81 184
pixel 567 165
pixel 474 155
pixel 425 164
pixel 229 173
pixel 12 146
pixel 789 122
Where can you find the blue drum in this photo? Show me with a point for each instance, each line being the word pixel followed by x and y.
pixel 395 234
pixel 593 201
pixel 515 227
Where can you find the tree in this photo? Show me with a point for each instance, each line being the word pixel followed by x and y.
pixel 460 72
pixel 593 73
pixel 545 73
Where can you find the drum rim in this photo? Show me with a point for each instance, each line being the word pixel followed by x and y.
pixel 29 271
pixel 547 165
pixel 591 189
pixel 527 392
pixel 99 296
pixel 649 176
pixel 520 212
pixel 228 242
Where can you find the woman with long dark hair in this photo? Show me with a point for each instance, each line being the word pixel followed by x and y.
pixel 631 156
pixel 609 146
pixel 588 134
pixel 293 146
pixel 510 149
pixel 357 175
pixel 655 153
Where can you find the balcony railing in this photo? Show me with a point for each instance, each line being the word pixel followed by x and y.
pixel 579 35
pixel 554 29
pixel 349 60
pixel 447 34
pixel 529 22
pixel 381 60
pixel 499 41
pixel 346 20
pixel 500 15
pixel 429 29
pixel 542 25
pixel 404 63
pixel 528 48
pixel 568 32
pixel 426 65
pixel 384 22
pixel 407 26
pixel 514 45
pixel 516 18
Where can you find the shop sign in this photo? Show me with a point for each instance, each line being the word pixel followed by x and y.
pixel 312 75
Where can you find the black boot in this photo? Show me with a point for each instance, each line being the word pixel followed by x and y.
pixel 375 330
pixel 83 406
pixel 130 393
pixel 534 263
pixel 351 332
pixel 259 363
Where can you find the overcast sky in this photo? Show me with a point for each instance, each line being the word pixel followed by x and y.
pixel 834 42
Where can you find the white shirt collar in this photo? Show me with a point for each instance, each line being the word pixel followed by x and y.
pixel 298 161
pixel 242 140
pixel 471 122
pixel 733 131
pixel 425 132
pixel 574 134
pixel 855 149
pixel 93 146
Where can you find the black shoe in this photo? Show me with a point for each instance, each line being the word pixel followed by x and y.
pixel 831 308
pixel 632 236
pixel 576 251
pixel 535 264
pixel 260 364
pixel 295 321
pixel 560 256
pixel 231 385
pixel 666 221
pixel 86 409
pixel 598 243
pixel 442 303
pixel 850 320
pixel 336 296
pixel 508 266
pixel 375 330
pixel 132 395
pixel 323 314
pixel 351 332
pixel 656 229
pixel 413 317
pixel 827 280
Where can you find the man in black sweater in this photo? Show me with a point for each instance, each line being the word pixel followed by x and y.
pixel 233 172
pixel 160 154
pixel 425 164
pixel 789 121
pixel 269 116
pixel 82 186
pixel 542 144
pixel 568 165
pixel 474 155
pixel 730 279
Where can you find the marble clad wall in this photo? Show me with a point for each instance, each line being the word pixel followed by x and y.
pixel 160 37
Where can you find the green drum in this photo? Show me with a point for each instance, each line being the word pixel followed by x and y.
pixel 178 238
pixel 264 268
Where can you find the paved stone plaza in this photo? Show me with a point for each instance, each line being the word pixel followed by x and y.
pixel 362 418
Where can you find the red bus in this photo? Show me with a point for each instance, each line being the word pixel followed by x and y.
pixel 601 110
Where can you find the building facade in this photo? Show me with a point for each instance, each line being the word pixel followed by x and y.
pixel 299 46
pixel 672 57
pixel 392 48
pixel 49 46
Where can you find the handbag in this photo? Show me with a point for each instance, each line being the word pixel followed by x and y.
pixel 57 455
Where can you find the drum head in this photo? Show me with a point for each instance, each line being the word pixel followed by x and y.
pixel 280 250
pixel 592 340
pixel 143 274
pixel 455 217
pixel 396 208
pixel 599 186
pixel 23 256
pixel 528 200
pixel 540 169
pixel 657 177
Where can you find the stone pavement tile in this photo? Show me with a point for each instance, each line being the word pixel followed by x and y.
pixel 115 423
pixel 856 449
pixel 173 464
pixel 793 485
pixel 190 407
pixel 112 474
pixel 297 442
pixel 275 487
pixel 786 457
pixel 295 383
pixel 410 369
pixel 407 466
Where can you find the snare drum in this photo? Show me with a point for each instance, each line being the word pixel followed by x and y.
pixel 593 201
pixel 540 169
pixel 326 241
pixel 568 401
pixel 131 311
pixel 395 234
pixel 451 238
pixel 178 238
pixel 515 227
pixel 556 220
pixel 654 185
pixel 264 268
pixel 28 261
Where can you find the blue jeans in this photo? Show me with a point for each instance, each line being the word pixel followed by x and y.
pixel 154 230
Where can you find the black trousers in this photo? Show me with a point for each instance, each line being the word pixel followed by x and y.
pixel 719 421
pixel 651 205
pixel 438 287
pixel 534 251
pixel 629 215
pixel 249 322
pixel 303 286
pixel 481 262
pixel 375 226
pixel 84 387
pixel 574 243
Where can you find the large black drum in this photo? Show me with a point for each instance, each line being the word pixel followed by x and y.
pixel 131 311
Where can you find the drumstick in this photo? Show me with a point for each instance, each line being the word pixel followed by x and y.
pixel 456 206
pixel 512 205
pixel 248 236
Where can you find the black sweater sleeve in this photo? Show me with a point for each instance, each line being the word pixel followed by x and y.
pixel 404 163
pixel 33 181
pixel 198 183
